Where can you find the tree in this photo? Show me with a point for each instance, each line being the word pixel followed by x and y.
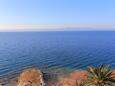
pixel 100 76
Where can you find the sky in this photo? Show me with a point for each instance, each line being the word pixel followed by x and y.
pixel 30 15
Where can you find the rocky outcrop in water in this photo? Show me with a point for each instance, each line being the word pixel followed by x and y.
pixel 34 77
pixel 75 78
pixel 31 77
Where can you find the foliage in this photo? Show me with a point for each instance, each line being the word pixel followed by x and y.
pixel 100 76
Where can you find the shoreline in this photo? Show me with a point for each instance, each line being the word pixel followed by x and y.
pixel 50 78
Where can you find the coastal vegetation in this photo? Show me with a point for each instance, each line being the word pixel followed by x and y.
pixel 100 76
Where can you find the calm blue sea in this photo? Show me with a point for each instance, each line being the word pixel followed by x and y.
pixel 55 50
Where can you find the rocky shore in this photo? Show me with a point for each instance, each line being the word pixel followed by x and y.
pixel 51 79
pixel 75 78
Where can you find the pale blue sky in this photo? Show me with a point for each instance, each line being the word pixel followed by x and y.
pixel 28 14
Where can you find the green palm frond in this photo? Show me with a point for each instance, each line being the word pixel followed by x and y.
pixel 100 76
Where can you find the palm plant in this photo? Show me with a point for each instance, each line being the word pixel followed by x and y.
pixel 100 76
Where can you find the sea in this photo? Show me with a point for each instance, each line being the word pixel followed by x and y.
pixel 55 50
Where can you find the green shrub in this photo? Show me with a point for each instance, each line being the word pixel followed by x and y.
pixel 100 76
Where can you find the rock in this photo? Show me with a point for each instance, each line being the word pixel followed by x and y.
pixel 66 82
pixel 113 73
pixel 31 77
pixel 79 75
pixel 75 78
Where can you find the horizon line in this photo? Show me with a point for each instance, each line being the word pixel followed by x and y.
pixel 58 30
pixel 56 27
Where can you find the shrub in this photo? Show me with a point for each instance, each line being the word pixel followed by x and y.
pixel 100 76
